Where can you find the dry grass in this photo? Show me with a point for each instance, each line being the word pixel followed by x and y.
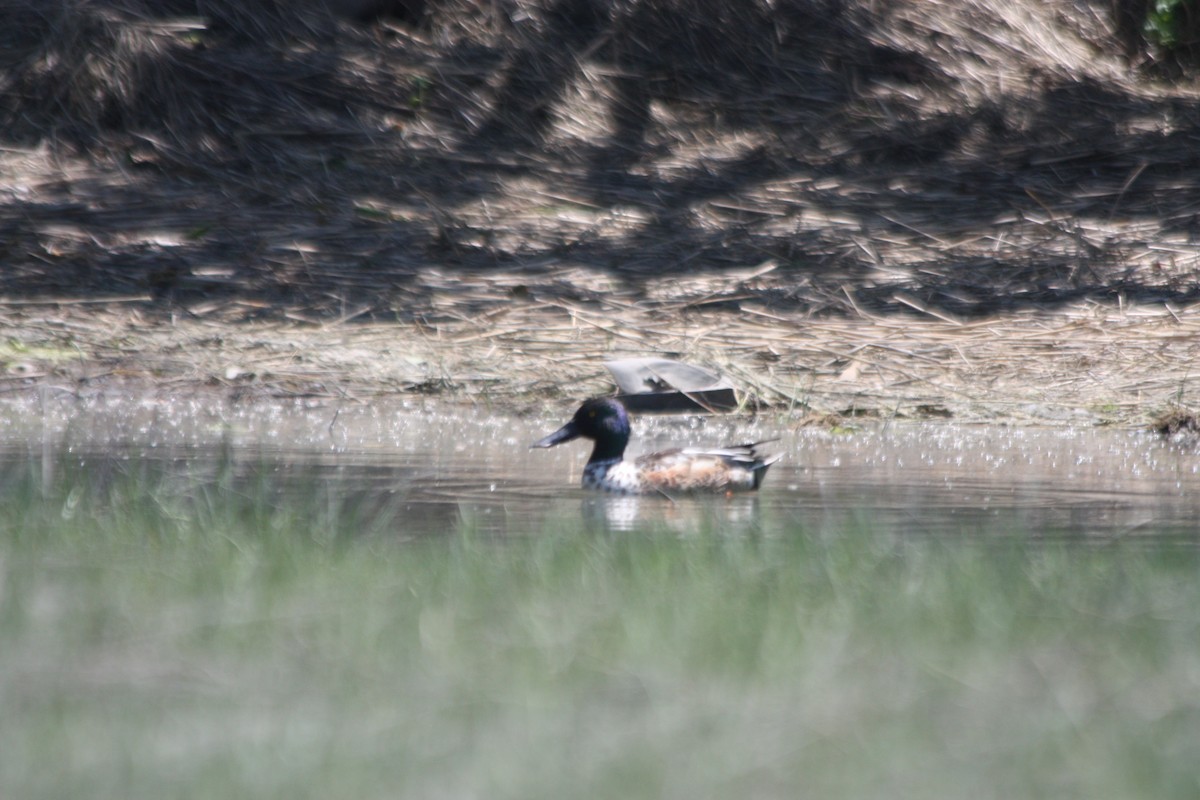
pixel 914 207
pixel 1088 364
pixel 1176 421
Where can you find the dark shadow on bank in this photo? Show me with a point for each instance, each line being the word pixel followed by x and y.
pixel 259 152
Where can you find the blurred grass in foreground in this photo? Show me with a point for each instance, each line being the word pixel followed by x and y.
pixel 204 637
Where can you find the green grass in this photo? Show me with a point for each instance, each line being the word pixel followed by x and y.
pixel 202 636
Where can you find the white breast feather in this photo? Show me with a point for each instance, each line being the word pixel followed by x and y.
pixel 612 476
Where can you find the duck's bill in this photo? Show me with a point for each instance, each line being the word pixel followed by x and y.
pixel 564 434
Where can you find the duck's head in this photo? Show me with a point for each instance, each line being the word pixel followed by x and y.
pixel 601 419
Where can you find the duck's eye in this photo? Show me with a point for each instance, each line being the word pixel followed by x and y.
pixel 592 414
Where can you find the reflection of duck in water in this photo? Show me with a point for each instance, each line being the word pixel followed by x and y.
pixel 726 514
pixel 605 422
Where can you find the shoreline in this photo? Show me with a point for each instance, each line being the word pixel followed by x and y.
pixel 1089 364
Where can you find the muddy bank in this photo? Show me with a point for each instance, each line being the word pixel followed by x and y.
pixel 1086 365
pixel 974 210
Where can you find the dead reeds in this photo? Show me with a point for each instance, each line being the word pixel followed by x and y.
pixel 973 205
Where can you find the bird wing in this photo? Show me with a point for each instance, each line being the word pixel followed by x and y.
pixel 694 469
pixel 739 453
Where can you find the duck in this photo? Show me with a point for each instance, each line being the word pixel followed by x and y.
pixel 605 421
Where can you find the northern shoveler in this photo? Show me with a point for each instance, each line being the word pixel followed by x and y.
pixel 605 422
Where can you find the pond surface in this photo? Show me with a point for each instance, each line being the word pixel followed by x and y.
pixel 440 469
pixel 311 599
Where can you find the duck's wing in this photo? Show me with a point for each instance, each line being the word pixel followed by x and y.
pixel 739 453
pixel 692 469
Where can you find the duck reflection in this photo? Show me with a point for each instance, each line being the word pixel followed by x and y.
pixel 735 514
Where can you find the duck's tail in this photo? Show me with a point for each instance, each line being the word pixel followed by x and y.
pixel 760 466
pixel 747 457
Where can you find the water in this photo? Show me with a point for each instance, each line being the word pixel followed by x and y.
pixel 437 470
pixel 184 601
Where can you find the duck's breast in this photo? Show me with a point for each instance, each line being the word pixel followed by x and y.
pixel 621 477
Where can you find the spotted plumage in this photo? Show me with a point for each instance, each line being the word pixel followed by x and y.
pixel 605 421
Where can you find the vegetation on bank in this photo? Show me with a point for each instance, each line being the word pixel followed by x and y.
pixel 907 205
